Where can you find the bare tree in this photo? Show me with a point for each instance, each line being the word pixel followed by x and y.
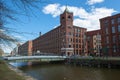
pixel 7 13
pixel 1 52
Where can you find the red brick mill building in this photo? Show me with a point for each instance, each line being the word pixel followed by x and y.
pixel 68 39
pixel 110 33
pixel 65 39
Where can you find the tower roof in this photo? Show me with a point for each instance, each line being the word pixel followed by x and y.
pixel 66 10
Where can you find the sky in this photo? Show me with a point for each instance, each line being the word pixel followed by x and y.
pixel 86 14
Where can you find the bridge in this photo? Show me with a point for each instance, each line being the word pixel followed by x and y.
pixel 35 58
pixel 79 60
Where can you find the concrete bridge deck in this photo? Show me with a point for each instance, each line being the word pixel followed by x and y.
pixel 34 58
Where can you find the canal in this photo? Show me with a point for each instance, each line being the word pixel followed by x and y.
pixel 70 72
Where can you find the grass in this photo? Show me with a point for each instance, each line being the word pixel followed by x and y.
pixel 7 74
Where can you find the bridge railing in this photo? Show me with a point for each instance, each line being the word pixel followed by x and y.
pixel 34 57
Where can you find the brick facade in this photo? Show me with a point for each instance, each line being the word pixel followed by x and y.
pixel 65 39
pixel 25 49
pixel 94 42
pixel 110 31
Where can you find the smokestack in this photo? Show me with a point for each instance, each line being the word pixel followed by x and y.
pixel 40 33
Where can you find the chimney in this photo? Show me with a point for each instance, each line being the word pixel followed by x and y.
pixel 40 33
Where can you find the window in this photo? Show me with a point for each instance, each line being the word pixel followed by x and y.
pixel 73 40
pixel 88 38
pixel 114 39
pixel 78 30
pixel 79 46
pixel 69 46
pixel 69 33
pixel 69 17
pixel 112 21
pixel 114 48
pixel 106 22
pixel 69 39
pixel 98 36
pixel 63 40
pixel 84 37
pixel 107 39
pixel 69 27
pixel 118 28
pixel 75 29
pixel 113 29
pixel 119 20
pixel 108 47
pixel 63 18
pixel 106 30
pixel 76 40
pixel 64 33
pixel 76 45
pixel 77 35
pixel 76 51
pixel 119 37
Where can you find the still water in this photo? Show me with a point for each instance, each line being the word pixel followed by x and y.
pixel 68 72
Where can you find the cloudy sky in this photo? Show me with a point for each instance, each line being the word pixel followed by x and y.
pixel 84 18
pixel 86 14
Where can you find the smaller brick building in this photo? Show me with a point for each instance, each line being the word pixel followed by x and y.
pixel 94 42
pixel 25 49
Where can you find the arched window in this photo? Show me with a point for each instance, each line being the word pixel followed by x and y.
pixel 63 17
pixel 69 17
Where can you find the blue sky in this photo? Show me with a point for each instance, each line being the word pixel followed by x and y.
pixel 86 14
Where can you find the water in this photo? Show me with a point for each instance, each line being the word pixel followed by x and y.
pixel 67 72
pixel 18 64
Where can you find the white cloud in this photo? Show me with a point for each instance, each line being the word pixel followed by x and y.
pixel 1 30
pixel 53 9
pixel 91 2
pixel 89 20
pixel 7 48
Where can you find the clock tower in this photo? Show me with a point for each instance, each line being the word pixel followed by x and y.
pixel 66 21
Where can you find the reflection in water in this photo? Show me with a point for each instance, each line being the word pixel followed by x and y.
pixel 67 72
pixel 18 64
